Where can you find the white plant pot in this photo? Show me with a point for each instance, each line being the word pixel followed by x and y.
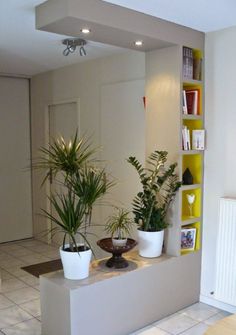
pixel 150 243
pixel 75 264
pixel 119 243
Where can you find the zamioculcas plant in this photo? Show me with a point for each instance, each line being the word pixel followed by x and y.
pixel 159 186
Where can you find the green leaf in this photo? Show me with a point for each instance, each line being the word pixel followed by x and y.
pixel 62 156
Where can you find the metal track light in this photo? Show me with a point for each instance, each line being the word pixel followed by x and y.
pixel 72 44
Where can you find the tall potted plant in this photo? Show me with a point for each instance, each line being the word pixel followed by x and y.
pixel 84 184
pixel 150 206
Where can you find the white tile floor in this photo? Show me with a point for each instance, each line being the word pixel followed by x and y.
pixel 20 299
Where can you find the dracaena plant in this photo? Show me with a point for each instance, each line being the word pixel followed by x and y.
pixel 89 184
pixel 84 183
pixel 119 224
pixel 68 218
pixel 159 186
pixel 66 157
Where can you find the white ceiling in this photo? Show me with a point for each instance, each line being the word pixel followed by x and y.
pixel 203 15
pixel 26 51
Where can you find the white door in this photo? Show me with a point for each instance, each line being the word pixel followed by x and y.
pixel 15 177
pixel 63 121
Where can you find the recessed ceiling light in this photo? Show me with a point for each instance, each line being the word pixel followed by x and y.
pixel 85 31
pixel 138 43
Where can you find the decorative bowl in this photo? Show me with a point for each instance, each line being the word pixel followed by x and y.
pixel 116 261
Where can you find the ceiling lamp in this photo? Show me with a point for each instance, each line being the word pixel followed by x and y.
pixel 85 30
pixel 72 44
pixel 138 43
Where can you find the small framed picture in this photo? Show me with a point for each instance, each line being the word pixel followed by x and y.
pixel 188 238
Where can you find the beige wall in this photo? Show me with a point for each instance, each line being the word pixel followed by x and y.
pixel 15 176
pixel 163 100
pixel 83 81
pixel 220 159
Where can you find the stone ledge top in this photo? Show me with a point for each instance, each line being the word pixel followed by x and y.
pixel 99 271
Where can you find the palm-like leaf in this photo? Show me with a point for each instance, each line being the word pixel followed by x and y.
pixel 65 157
pixel 70 213
pixel 90 184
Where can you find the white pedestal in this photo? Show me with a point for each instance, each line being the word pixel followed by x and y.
pixel 112 302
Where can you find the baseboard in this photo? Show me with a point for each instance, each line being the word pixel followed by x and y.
pixel 218 304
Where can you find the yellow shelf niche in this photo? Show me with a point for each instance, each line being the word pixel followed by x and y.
pixel 196 225
pixel 196 205
pixel 194 163
pixel 197 53
pixel 193 124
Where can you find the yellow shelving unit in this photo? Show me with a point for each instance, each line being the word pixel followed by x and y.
pixel 193 160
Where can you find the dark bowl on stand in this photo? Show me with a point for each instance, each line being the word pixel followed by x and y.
pixel 116 261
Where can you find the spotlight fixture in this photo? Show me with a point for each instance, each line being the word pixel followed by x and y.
pixel 72 43
pixel 138 43
pixel 85 30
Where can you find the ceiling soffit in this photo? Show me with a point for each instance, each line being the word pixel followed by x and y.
pixel 112 24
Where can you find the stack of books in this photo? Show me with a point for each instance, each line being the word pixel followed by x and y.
pixel 186 138
pixel 198 139
pixel 188 62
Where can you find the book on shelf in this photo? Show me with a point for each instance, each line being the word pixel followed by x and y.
pixel 185 109
pixel 188 62
pixel 186 144
pixel 198 139
pixel 192 101
pixel 197 68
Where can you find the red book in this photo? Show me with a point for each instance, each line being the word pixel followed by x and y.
pixel 193 99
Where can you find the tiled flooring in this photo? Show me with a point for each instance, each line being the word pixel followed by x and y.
pixel 20 300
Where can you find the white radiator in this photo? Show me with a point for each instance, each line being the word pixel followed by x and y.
pixel 225 289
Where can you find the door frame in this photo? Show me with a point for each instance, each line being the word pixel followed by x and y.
pixel 46 144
